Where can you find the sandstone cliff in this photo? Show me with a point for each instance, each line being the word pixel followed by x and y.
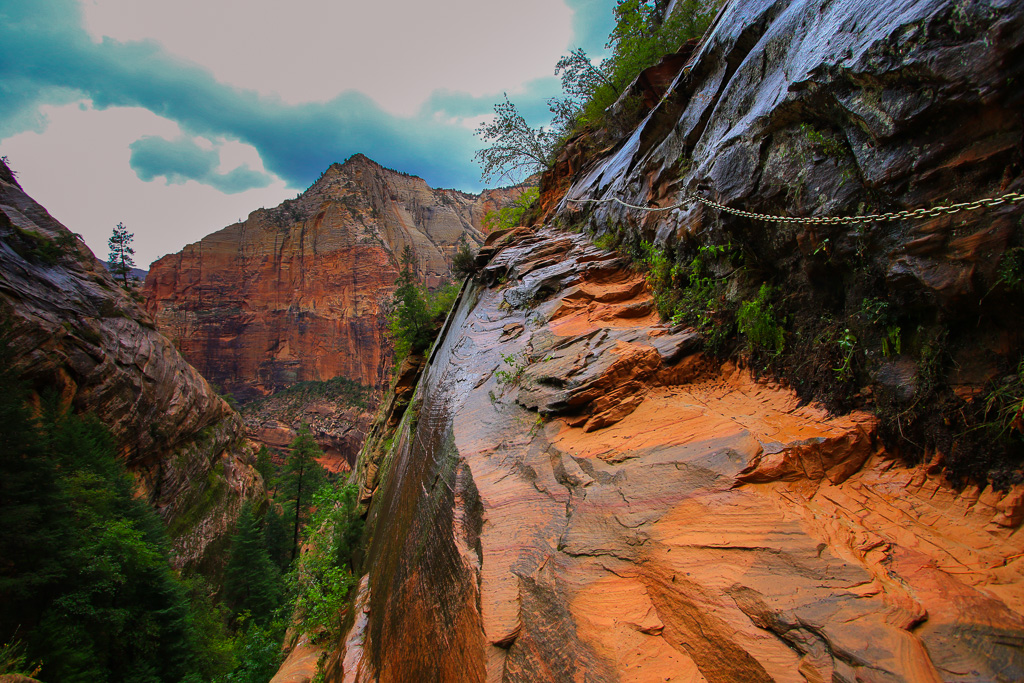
pixel 294 293
pixel 575 490
pixel 78 334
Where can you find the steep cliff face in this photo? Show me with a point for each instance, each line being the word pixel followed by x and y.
pixel 574 490
pixel 611 505
pixel 811 109
pixel 78 334
pixel 295 293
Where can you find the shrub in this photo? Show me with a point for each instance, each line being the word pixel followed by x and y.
pixel 464 261
pixel 756 321
pixel 510 216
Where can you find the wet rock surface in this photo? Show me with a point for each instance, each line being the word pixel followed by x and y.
pixel 701 525
pixel 295 293
pixel 77 333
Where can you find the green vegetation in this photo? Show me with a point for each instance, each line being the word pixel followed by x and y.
pixel 323 578
pixel 121 255
pixel 847 346
pixel 251 580
pixel 643 34
pixel 302 478
pixel 828 145
pixel 416 313
pixel 1011 269
pixel 511 216
pixel 757 322
pixel 516 364
pixel 34 246
pixel 464 260
pixel 86 580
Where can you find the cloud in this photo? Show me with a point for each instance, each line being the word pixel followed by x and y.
pixel 45 53
pixel 183 160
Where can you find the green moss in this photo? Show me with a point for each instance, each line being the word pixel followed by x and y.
pixel 827 144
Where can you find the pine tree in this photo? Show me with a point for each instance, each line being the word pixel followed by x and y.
pixel 301 478
pixel 121 253
pixel 251 581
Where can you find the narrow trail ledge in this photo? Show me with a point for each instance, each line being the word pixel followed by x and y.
pixel 710 528
pixel 574 492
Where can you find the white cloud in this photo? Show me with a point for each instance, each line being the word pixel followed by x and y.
pixel 310 50
pixel 78 170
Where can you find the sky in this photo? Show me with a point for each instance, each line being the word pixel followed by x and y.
pixel 179 117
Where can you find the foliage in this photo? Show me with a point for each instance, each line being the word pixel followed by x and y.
pixel 258 652
pixel 641 37
pixel 643 34
pixel 516 364
pixel 1011 269
pixel 464 260
pixel 878 313
pixel 86 577
pixel 265 466
pixel 14 660
pixel 121 254
pixel 300 480
pixel 322 579
pixel 1004 405
pixel 511 216
pixel 848 346
pixel 757 322
pixel 829 146
pixel 416 314
pixel 514 148
pixel 251 580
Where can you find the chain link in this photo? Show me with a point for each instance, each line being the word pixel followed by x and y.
pixel 1008 198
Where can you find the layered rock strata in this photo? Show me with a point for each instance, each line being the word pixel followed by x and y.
pixel 574 493
pixel 810 109
pixel 76 333
pixel 338 427
pixel 295 293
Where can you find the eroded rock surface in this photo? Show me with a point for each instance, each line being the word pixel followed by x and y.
pixel 294 293
pixel 576 494
pixel 77 333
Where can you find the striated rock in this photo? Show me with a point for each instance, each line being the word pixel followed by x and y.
pixel 78 334
pixel 811 109
pixel 701 526
pixel 295 293
pixel 337 413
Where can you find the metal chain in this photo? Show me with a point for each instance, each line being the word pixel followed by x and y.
pixel 1008 198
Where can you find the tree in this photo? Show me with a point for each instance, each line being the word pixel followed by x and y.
pixel 251 580
pixel 515 148
pixel 121 253
pixel 410 322
pixel 301 478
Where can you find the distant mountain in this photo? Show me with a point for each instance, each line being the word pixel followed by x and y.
pixel 136 273
pixel 295 293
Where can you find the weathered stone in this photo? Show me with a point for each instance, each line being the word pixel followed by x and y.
pixel 77 333
pixel 295 293
pixel 713 529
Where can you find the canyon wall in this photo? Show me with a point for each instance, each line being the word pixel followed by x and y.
pixel 78 334
pixel 576 490
pixel 295 293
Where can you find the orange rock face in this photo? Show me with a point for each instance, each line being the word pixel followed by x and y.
pixel 77 333
pixel 295 293
pixel 575 494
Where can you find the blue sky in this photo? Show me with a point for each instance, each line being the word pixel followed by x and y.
pixel 178 118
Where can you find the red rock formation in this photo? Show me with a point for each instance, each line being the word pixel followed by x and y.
pixel 665 517
pixel 295 293
pixel 76 332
